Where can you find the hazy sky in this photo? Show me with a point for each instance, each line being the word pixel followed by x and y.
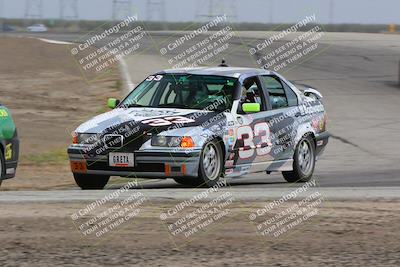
pixel 344 11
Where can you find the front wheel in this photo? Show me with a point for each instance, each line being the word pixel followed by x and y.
pixel 91 182
pixel 211 164
pixel 187 181
pixel 304 162
pixel 2 167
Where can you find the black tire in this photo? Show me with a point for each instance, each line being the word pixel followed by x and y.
pixel 188 181
pixel 302 169
pixel 207 179
pixel 2 167
pixel 91 182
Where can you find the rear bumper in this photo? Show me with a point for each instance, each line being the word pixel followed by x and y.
pixel 148 164
pixel 322 140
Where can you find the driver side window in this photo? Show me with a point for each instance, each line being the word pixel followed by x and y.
pixel 251 92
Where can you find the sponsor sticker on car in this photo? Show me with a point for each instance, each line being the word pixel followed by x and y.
pixel 3 113
pixel 8 154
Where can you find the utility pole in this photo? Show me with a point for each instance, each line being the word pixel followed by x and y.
pixel 1 15
pixel 331 10
pixel 271 12
pixel 1 8
pixel 69 9
pixel 33 9
pixel 155 9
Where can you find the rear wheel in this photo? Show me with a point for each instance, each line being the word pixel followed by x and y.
pixel 91 182
pixel 304 162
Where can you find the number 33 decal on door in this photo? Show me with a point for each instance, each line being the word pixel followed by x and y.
pixel 246 135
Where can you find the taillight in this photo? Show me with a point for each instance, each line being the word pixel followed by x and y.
pixel 74 138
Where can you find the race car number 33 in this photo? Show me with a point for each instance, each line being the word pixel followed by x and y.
pixel 121 159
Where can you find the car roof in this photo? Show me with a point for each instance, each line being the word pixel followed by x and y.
pixel 234 72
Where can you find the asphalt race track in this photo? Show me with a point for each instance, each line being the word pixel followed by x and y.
pixel 358 77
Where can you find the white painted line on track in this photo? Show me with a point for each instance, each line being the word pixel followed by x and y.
pixel 128 85
pixel 250 194
pixel 53 41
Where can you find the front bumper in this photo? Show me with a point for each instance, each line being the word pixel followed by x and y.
pixel 12 147
pixel 11 169
pixel 148 164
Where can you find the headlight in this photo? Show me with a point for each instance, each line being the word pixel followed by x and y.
pixel 159 140
pixel 87 138
pixel 170 141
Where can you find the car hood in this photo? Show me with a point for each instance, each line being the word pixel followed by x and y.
pixel 121 116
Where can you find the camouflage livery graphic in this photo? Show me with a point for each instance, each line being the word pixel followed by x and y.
pixel 9 145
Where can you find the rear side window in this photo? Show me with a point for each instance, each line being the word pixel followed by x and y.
pixel 276 92
pixel 280 94
pixel 290 95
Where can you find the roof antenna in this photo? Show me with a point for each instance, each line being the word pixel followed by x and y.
pixel 223 64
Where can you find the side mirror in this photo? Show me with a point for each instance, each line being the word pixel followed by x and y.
pixel 310 92
pixel 112 103
pixel 251 107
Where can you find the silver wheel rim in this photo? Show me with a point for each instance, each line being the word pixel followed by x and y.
pixel 211 161
pixel 305 157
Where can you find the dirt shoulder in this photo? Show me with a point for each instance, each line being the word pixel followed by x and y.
pixel 342 234
pixel 48 97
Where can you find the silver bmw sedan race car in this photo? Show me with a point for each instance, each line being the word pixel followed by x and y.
pixel 198 125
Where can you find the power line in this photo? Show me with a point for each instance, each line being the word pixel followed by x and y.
pixel 69 9
pixel 121 9
pixel 155 9
pixel 209 9
pixel 33 9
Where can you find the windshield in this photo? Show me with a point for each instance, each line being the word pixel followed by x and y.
pixel 214 93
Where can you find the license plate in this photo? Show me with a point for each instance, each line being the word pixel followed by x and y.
pixel 121 159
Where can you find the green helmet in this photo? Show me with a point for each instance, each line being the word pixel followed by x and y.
pixel 7 126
